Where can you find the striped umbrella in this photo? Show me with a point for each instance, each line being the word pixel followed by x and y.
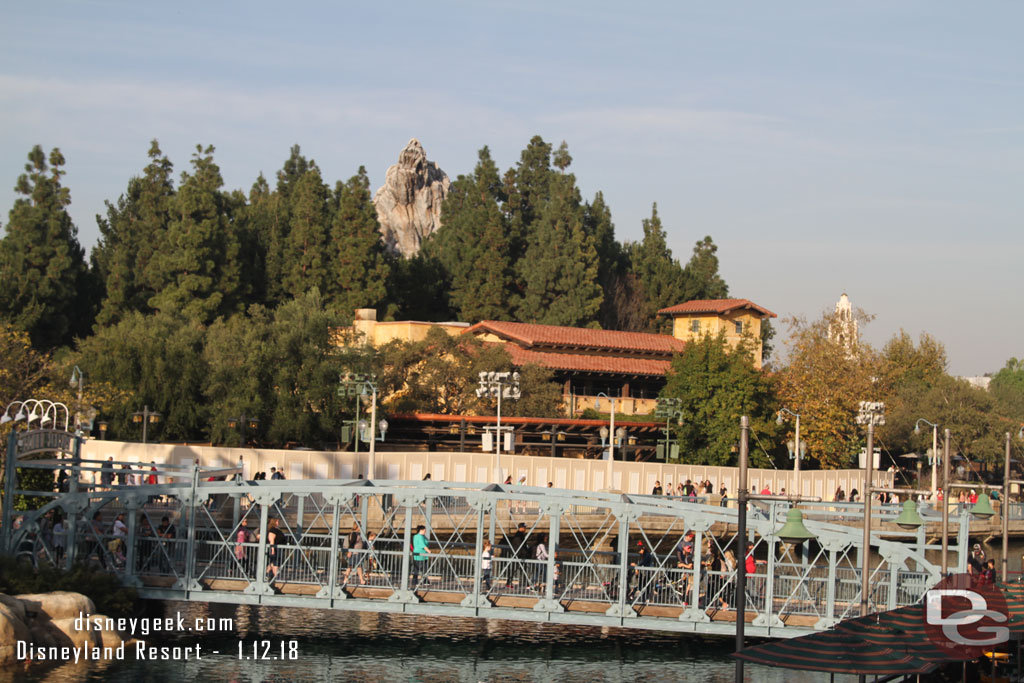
pixel 835 652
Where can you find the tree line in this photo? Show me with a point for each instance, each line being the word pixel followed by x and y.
pixel 201 301
pixel 208 304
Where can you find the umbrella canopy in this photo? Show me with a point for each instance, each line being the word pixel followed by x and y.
pixel 836 652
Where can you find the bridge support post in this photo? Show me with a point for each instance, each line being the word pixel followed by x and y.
pixel 259 585
pixel 404 594
pixel 829 620
pixel 330 591
pixel 549 603
pixel 693 611
pixel 188 583
pixel 767 617
pixel 131 504
pixel 475 599
pixel 10 475
pixel 620 609
pixel 71 525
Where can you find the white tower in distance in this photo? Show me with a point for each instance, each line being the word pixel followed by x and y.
pixel 843 328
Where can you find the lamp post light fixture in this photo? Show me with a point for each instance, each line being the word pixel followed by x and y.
pixel 793 531
pixel 605 434
pixel 872 414
pixel 356 385
pixel 78 380
pixel 243 424
pixel 797 448
pixel 146 417
pixel 934 453
pixel 48 411
pixel 500 385
pixel 102 425
pixel 669 409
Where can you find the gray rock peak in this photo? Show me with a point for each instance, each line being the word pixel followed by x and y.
pixel 409 202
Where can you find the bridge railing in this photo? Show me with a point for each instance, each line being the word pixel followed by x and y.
pixel 611 558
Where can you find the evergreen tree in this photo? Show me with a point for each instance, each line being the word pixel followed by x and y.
pixel 559 270
pixel 473 245
pixel 359 270
pixel 130 236
pixel 659 276
pixel 266 218
pixel 527 189
pixel 45 287
pixel 306 265
pixel 701 274
pixel 197 270
pixel 612 263
pixel 418 288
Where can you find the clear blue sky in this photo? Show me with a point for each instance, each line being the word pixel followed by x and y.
pixel 871 147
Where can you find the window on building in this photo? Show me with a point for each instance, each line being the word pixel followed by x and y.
pixel 694 326
pixel 739 327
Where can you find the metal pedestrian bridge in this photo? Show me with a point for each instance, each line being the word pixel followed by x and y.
pixel 605 558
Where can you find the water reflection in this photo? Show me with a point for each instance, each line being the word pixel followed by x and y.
pixel 371 648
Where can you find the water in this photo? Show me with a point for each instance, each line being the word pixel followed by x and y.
pixel 366 647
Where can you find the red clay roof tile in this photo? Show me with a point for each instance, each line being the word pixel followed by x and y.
pixel 720 306
pixel 530 334
pixel 587 363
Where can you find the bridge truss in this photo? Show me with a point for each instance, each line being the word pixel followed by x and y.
pixel 611 559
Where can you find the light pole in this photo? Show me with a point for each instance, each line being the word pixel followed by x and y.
pixel 935 446
pixel 146 417
pixel 611 434
pixel 797 448
pixel 945 502
pixel 1006 503
pixel 668 408
pixel 793 531
pixel 500 385
pixel 78 379
pixel 355 385
pixel 871 413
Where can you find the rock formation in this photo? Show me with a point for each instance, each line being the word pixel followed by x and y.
pixel 409 202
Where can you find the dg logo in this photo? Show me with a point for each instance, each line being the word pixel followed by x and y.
pixel 965 617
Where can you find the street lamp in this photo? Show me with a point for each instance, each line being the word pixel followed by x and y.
pixel 356 385
pixel 611 431
pixel 668 408
pixel 935 446
pixel 793 531
pixel 797 448
pixel 500 385
pixel 871 413
pixel 242 423
pixel 78 379
pixel 146 417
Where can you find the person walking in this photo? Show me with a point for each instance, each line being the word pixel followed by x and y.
pixel 540 557
pixel 486 557
pixel 419 559
pixel 241 538
pixel 274 538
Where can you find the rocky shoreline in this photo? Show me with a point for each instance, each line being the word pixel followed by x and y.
pixel 52 623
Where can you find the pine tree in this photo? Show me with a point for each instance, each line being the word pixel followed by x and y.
pixel 306 264
pixel 612 263
pixel 560 268
pixel 701 273
pixel 358 271
pixel 659 276
pixel 474 247
pixel 266 218
pixel 527 188
pixel 130 236
pixel 196 271
pixel 45 287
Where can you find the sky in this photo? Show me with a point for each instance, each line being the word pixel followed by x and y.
pixel 873 148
